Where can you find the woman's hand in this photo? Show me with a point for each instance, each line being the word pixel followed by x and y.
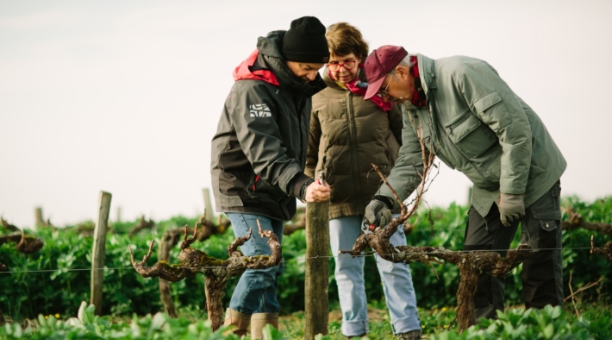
pixel 316 192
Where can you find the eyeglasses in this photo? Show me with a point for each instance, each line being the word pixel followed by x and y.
pixel 384 92
pixel 348 64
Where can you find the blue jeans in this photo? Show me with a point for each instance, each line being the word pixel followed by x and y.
pixel 256 289
pixel 397 281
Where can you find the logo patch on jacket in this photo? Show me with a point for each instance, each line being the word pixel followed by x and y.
pixel 260 110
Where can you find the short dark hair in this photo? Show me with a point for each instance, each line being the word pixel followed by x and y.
pixel 343 39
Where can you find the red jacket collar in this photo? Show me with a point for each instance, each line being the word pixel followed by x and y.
pixel 243 71
pixel 418 96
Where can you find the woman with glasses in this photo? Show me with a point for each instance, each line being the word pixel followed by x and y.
pixel 347 134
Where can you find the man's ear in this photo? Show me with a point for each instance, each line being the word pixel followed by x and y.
pixel 402 71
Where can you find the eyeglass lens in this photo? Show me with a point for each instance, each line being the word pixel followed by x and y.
pixel 348 64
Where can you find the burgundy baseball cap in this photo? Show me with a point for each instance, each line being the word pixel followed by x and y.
pixel 379 63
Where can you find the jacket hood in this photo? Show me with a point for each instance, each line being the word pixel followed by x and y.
pixel 267 64
pixel 271 44
pixel 243 71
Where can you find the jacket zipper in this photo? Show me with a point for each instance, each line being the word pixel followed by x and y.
pixel 353 142
pixel 255 182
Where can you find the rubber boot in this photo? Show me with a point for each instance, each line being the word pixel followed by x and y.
pixel 240 321
pixel 259 321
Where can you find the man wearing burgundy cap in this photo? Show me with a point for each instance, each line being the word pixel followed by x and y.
pixel 476 124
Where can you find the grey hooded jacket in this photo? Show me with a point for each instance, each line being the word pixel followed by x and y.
pixel 476 124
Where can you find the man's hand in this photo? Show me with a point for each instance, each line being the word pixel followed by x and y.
pixel 378 213
pixel 511 208
pixel 316 192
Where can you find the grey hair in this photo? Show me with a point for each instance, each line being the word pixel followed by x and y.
pixel 405 62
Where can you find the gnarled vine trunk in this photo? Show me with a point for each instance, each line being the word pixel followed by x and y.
pixel 217 272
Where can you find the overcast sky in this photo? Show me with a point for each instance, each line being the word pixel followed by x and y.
pixel 124 96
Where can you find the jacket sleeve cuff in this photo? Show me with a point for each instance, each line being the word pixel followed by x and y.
pixel 300 182
pixel 389 202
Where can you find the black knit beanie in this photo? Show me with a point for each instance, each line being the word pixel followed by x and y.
pixel 305 41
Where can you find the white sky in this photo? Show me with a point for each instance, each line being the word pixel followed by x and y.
pixel 124 96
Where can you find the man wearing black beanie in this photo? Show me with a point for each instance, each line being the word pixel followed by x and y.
pixel 305 41
pixel 259 153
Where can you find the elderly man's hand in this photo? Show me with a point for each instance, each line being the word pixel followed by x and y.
pixel 316 192
pixel 511 208
pixel 378 213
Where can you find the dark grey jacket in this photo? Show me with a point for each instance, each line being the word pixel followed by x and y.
pixel 259 150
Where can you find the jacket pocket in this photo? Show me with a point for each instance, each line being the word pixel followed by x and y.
pixel 486 102
pixel 471 136
pixel 548 238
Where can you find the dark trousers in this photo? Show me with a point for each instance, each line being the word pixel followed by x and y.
pixel 542 275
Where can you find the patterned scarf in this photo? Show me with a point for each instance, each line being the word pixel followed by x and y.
pixel 418 97
pixel 359 88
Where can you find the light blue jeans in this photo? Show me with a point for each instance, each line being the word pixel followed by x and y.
pixel 256 289
pixel 396 280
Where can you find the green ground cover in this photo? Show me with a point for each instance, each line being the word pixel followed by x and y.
pixel 595 322
pixel 56 279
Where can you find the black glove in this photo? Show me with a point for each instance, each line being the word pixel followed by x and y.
pixel 378 212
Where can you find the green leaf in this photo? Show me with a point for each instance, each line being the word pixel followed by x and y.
pixel 156 324
pixel 41 320
pixel 8 329
pixel 271 333
pixel 17 332
pixel 51 321
pixel 548 331
pixel 89 313
pixel 555 312
pixel 81 313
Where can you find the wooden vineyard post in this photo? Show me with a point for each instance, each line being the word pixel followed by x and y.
pixel 97 256
pixel 164 286
pixel 38 216
pixel 209 214
pixel 317 271
pixel 118 219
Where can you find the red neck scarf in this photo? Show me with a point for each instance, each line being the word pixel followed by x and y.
pixel 418 96
pixel 359 88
